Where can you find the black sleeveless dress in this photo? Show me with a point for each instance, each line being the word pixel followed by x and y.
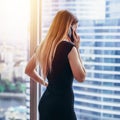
pixel 57 102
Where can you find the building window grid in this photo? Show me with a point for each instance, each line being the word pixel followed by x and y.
pixel 104 27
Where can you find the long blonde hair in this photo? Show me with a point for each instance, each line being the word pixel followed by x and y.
pixel 56 33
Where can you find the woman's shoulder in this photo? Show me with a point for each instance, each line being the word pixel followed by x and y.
pixel 66 43
pixel 66 46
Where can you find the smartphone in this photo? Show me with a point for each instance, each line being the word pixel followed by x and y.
pixel 70 34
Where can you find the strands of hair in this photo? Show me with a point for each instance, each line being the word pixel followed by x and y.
pixel 56 33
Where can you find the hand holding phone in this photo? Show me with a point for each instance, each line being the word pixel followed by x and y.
pixel 70 34
pixel 74 37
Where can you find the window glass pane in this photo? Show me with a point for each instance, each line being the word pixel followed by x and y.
pixel 14 38
pixel 98 98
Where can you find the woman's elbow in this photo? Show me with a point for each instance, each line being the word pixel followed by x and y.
pixel 27 71
pixel 80 78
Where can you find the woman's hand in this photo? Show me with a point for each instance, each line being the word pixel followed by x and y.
pixel 76 39
pixel 45 83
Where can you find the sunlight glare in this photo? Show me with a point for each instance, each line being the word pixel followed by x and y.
pixel 14 20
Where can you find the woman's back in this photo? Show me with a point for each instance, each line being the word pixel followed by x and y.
pixel 61 74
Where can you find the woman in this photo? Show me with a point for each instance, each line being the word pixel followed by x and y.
pixel 59 61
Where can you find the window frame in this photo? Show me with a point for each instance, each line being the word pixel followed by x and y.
pixel 35 38
pixel 34 87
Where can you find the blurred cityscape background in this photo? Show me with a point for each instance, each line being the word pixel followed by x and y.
pixel 14 42
pixel 98 98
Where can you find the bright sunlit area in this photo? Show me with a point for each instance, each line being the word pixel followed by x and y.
pixel 14 21
pixel 14 40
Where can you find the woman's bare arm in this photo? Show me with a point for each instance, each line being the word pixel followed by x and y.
pixel 75 61
pixel 30 70
pixel 81 61
pixel 76 65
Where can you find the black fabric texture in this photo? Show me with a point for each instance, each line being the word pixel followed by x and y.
pixel 57 102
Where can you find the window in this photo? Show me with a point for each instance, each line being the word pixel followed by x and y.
pixel 14 39
pixel 99 31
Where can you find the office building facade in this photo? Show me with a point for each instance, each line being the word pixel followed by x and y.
pixel 98 98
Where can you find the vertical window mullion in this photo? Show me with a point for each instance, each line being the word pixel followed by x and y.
pixel 33 43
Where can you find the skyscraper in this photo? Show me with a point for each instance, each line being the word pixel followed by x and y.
pixel 98 98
